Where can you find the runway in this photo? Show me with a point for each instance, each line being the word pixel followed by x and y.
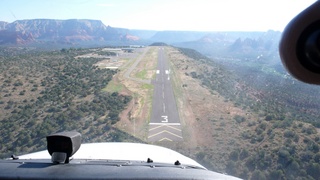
pixel 165 122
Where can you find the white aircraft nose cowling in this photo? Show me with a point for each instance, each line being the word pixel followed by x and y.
pixel 123 151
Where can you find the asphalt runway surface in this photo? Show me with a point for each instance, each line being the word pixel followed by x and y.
pixel 165 122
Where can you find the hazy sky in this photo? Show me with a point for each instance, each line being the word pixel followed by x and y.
pixel 200 15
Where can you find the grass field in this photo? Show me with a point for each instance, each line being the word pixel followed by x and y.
pixel 113 86
pixel 141 74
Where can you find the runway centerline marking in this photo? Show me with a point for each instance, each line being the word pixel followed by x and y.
pixel 164 109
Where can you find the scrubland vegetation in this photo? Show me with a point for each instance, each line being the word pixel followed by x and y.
pixel 47 92
pixel 43 92
pixel 284 141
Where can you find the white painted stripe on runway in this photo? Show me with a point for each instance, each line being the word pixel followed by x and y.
pixel 157 127
pixel 167 72
pixel 168 124
pixel 165 139
pixel 165 131
pixel 164 108
pixel 173 128
pixel 163 125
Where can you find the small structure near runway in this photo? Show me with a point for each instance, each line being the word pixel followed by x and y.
pixel 128 50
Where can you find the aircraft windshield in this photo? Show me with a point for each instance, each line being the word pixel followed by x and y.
pixel 202 78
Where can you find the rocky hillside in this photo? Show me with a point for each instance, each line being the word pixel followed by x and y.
pixel 3 25
pixel 84 31
pixel 235 44
pixel 61 31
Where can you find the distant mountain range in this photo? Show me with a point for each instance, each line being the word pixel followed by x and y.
pixel 60 31
pixel 235 43
pixel 78 32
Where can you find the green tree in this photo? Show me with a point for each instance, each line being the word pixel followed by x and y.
pixel 258 175
pixel 313 170
pixel 316 158
pixel 231 168
pixel 234 155
pixel 244 154
pixel 276 175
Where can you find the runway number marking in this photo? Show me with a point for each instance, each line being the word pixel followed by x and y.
pixel 165 119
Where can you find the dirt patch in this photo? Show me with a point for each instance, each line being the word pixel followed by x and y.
pixel 131 119
pixel 146 69
pixel 135 118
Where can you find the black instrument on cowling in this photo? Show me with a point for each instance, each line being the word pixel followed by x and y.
pixel 63 145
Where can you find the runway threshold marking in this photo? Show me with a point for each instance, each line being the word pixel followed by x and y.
pixel 165 131
pixel 164 126
pixel 163 139
pixel 169 124
pixel 156 128
pixel 174 128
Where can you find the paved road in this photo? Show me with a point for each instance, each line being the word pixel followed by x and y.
pixel 165 122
